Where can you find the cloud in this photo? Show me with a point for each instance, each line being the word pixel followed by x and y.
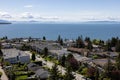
pixel 48 18
pixel 27 15
pixel 5 14
pixel 113 18
pixel 28 6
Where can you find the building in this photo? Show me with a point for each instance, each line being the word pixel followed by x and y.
pixel 102 62
pixel 40 73
pixel 15 56
pixel 59 53
pixel 39 46
pixel 81 51
pixel 7 46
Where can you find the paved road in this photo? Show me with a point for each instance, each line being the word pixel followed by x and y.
pixel 3 77
pixel 60 68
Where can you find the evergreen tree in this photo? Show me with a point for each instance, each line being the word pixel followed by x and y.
pixel 118 62
pixel 61 42
pixel 97 74
pixel 54 73
pixel 69 56
pixel 1 53
pixel 89 46
pixel 33 56
pixel 45 51
pixel 80 42
pixel 108 68
pixel 63 59
pixel 118 46
pixel 113 41
pixel 59 38
pixel 44 38
pixel 69 75
pixel 101 43
pixel 73 63
pixel 108 45
pixel 91 73
pixel 87 39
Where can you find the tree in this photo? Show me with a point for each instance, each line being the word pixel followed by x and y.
pixel 54 73
pixel 87 39
pixel 1 53
pixel 97 74
pixel 44 38
pixel 33 56
pixel 69 56
pixel 118 62
pixel 108 68
pixel 72 62
pixel 29 39
pixel 89 46
pixel 118 46
pixel 59 38
pixel 101 43
pixel 45 51
pixel 63 59
pixel 80 42
pixel 91 73
pixel 113 41
pixel 115 75
pixel 108 46
pixel 69 75
pixel 1 74
pixel 61 42
pixel 25 47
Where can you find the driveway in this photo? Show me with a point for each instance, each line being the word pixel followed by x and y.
pixel 3 77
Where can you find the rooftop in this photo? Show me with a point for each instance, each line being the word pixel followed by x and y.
pixel 11 53
pixel 102 62
pixel 42 45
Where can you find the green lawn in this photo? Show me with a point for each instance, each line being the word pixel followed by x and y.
pixel 21 77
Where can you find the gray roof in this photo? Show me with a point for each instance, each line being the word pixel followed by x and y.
pixel 33 67
pixel 42 45
pixel 42 74
pixel 11 53
pixel 102 62
pixel 60 52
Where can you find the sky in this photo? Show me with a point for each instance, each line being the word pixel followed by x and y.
pixel 60 10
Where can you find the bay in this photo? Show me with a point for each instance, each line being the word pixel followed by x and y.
pixel 51 31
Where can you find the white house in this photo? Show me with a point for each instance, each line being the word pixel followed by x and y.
pixel 15 56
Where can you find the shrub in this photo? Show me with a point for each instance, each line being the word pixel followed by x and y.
pixel 0 74
pixel 84 71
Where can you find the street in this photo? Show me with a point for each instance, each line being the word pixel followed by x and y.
pixel 3 77
pixel 60 68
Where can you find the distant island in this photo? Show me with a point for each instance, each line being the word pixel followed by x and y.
pixel 101 22
pixel 5 22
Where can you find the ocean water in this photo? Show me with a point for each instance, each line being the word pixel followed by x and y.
pixel 69 31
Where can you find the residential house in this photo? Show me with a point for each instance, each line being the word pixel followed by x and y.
pixel 15 56
pixel 41 74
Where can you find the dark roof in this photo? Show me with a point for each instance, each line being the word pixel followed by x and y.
pixel 33 67
pixel 102 62
pixel 42 74
pixel 78 50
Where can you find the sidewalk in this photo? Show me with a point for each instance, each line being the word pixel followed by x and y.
pixel 3 77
